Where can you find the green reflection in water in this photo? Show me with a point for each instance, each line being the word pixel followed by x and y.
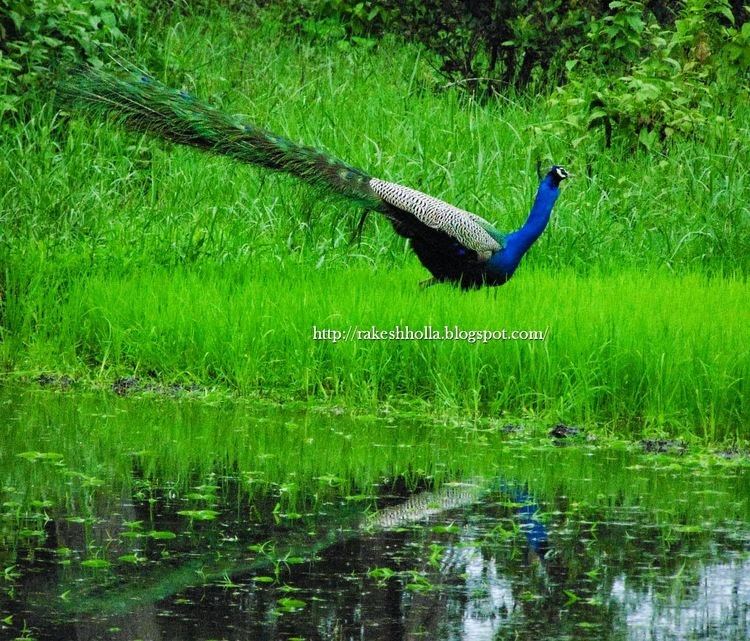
pixel 113 505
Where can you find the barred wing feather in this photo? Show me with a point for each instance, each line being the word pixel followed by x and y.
pixel 467 228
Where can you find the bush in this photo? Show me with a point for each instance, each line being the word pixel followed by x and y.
pixel 489 47
pixel 344 21
pixel 670 80
pixel 38 35
pixel 659 53
pixel 484 46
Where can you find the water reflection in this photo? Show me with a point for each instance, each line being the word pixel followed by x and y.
pixel 715 605
pixel 465 562
pixel 411 539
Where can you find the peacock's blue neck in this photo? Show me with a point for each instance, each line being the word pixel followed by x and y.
pixel 518 242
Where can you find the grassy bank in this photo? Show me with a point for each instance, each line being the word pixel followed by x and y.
pixel 629 352
pixel 123 255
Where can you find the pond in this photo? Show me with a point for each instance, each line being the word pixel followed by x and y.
pixel 183 519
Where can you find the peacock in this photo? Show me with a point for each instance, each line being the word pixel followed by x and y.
pixel 456 246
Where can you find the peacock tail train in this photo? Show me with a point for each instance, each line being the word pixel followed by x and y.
pixel 144 104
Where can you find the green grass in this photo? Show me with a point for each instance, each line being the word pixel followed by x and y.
pixel 629 352
pixel 121 254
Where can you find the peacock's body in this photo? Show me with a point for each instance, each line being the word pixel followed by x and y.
pixel 453 244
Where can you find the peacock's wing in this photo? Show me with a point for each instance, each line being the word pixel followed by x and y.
pixel 468 230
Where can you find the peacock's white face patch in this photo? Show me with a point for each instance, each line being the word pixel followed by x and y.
pixel 561 173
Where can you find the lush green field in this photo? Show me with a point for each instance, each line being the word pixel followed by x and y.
pixel 623 351
pixel 123 255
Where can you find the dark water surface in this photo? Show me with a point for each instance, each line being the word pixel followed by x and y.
pixel 159 519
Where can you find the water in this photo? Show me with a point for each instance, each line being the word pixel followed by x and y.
pixel 160 519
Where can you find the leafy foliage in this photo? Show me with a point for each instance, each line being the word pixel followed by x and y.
pixel 499 44
pixel 346 22
pixel 484 46
pixel 36 36
pixel 670 80
pixel 645 69
pixel 493 46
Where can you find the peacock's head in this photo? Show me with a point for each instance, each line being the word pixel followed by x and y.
pixel 557 174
